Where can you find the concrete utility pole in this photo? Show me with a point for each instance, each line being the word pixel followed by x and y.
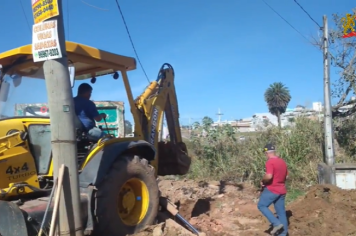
pixel 64 149
pixel 328 125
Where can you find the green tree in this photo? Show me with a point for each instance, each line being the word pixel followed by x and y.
pixel 128 127
pixel 291 119
pixel 196 125
pixel 342 52
pixel 265 123
pixel 207 121
pixel 277 97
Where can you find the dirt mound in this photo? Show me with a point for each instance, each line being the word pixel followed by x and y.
pixel 325 210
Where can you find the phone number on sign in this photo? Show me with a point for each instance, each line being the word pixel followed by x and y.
pixel 48 53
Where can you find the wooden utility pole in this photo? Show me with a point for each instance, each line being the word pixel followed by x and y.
pixel 328 122
pixel 60 101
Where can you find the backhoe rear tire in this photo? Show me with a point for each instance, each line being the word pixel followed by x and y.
pixel 128 198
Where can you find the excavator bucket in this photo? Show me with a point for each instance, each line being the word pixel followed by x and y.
pixel 173 159
pixel 12 220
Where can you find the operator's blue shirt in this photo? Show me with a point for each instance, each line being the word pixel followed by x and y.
pixel 86 111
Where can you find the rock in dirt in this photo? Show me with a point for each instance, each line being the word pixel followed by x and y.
pixel 169 228
pixel 173 228
pixel 157 231
pixel 152 230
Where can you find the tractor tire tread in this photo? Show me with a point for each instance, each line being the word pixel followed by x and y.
pixel 104 211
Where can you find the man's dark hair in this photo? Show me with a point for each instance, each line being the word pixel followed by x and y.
pixel 84 88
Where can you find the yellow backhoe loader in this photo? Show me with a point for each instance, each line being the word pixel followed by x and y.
pixel 117 176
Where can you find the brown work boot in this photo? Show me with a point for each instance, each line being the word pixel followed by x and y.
pixel 276 229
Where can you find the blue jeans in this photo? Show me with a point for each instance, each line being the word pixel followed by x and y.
pixel 266 199
pixel 95 134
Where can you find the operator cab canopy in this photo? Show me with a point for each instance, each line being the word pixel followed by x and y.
pixel 88 62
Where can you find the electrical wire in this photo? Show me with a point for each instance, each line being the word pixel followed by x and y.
pixel 287 22
pixel 308 14
pixel 133 46
pixel 98 8
pixel 24 13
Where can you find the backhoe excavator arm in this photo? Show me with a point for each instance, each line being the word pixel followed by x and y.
pixel 157 100
pixel 11 140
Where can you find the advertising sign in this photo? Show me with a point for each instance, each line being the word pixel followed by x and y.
pixel 45 43
pixel 44 9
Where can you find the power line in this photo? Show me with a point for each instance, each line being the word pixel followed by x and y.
pixel 24 13
pixel 287 22
pixel 133 46
pixel 308 14
pixel 101 9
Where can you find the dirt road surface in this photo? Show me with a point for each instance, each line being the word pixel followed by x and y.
pixel 230 210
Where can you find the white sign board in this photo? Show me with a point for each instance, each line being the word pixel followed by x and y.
pixel 45 43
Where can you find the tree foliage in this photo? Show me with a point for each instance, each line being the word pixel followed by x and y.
pixel 128 127
pixel 277 97
pixel 342 52
pixel 196 125
pixel 207 121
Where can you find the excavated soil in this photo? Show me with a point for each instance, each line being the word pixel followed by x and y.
pixel 222 209
pixel 325 210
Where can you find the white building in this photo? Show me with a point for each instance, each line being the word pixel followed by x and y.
pixel 317 106
pixel 261 120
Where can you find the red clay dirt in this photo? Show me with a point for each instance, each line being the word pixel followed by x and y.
pixel 230 210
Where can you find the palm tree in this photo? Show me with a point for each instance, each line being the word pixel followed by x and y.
pixel 277 97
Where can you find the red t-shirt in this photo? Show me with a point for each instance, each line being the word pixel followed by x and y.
pixel 277 167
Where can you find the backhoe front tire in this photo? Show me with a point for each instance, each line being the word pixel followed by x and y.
pixel 128 198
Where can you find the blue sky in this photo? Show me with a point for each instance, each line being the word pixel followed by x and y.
pixel 225 53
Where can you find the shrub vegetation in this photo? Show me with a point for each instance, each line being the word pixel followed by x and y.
pixel 219 153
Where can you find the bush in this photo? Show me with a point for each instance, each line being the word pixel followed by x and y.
pixel 346 135
pixel 219 154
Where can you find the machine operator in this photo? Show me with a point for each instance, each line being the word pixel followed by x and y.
pixel 87 113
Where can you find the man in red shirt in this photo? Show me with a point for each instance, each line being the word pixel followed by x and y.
pixel 274 191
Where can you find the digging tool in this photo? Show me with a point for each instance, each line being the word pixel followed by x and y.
pixel 56 200
pixel 172 208
pixel 47 208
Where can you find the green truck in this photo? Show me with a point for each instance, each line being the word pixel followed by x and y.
pixel 114 110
